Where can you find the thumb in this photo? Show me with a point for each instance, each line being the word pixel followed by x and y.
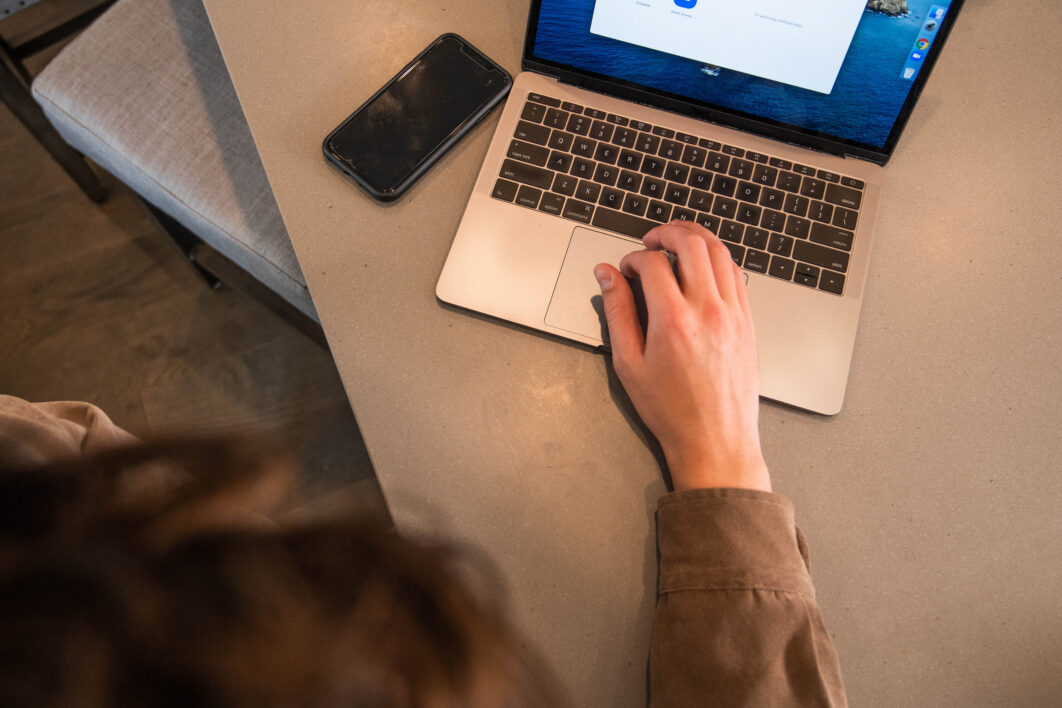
pixel 624 330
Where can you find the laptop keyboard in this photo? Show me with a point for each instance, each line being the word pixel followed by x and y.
pixel 783 219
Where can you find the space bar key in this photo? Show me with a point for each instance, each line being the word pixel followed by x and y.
pixel 622 223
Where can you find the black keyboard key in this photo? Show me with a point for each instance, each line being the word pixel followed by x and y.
pixel 748 213
pixel 625 137
pixel 526 152
pixel 580 125
pixel 748 192
pixel 504 189
pixel 631 181
pixel 686 138
pixel 724 207
pixel 845 218
pixel 789 182
pixel 764 175
pixel 844 196
pixel 551 204
pixel 622 223
pixel 683 214
pixel 652 187
pixel 635 204
pixel 780 163
pixel 772 198
pixel 724 185
pixel 676 172
pixel 526 174
pixel 820 255
pixel 756 157
pixel 813 188
pixel 804 170
pixel 600 130
pixel 538 134
pixel 584 147
pixel 757 261
pixel 710 222
pixel 717 162
pixel 781 268
pixel 734 151
pixel 611 198
pixel 618 120
pixel 742 169
pixel 756 238
pixel 571 107
pixel 533 112
pixel 852 182
pixel 820 211
pixel 709 144
pixel 772 220
pixel 694 156
pixel 699 179
pixel 663 132
pixel 607 153
pixel 832 282
pixel 828 176
pixel 670 149
pixel 594 113
pixel 588 191
pixel 545 100
pixel 780 245
pixel 806 275
pixel 647 143
pixel 582 168
pixel 796 205
pixel 831 236
pixel 556 118
pixel 559 161
pixel 797 227
pixel 578 211
pixel 677 194
pixel 736 252
pixel 653 166
pixel 659 211
pixel 559 140
pixel 630 160
pixel 731 231
pixel 606 174
pixel 565 184
pixel 642 126
pixel 700 200
pixel 528 197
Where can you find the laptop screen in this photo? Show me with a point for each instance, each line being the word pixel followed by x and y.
pixel 833 74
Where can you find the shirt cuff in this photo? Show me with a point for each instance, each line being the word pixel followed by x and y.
pixel 730 539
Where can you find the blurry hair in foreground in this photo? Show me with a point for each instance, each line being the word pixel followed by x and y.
pixel 152 577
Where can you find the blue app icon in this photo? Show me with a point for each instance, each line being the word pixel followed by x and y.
pixel 916 56
pixel 686 3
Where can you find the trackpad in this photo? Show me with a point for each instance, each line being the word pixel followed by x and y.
pixel 572 306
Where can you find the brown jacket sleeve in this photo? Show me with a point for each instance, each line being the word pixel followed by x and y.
pixel 736 619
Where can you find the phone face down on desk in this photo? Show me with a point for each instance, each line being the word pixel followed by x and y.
pixel 395 136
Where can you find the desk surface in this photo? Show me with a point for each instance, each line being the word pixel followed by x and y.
pixel 931 503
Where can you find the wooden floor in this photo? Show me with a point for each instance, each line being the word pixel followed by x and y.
pixel 96 304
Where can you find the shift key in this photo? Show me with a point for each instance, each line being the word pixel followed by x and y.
pixel 526 174
pixel 820 256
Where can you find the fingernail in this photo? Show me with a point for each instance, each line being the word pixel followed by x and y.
pixel 604 278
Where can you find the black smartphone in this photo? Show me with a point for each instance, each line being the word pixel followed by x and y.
pixel 395 136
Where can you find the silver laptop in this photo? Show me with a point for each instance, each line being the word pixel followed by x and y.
pixel 767 121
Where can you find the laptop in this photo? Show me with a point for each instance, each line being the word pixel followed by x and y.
pixel 767 121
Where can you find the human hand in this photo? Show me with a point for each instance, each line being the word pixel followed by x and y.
pixel 692 375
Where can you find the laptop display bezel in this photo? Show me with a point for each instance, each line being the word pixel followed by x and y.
pixel 730 118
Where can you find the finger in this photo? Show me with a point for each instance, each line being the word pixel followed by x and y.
pixel 690 247
pixel 721 263
pixel 621 316
pixel 659 286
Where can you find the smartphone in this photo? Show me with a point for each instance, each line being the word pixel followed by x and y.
pixel 395 136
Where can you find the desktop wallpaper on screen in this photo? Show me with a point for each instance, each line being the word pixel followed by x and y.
pixel 871 86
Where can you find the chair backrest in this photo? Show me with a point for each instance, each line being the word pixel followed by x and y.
pixel 10 7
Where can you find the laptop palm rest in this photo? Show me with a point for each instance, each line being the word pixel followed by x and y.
pixel 576 302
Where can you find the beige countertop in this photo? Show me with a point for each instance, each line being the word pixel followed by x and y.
pixel 931 502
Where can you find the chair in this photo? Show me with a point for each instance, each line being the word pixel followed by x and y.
pixel 145 94
pixel 15 80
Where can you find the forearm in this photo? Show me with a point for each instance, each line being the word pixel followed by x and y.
pixel 736 621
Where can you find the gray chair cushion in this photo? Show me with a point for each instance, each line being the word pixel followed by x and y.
pixel 145 93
